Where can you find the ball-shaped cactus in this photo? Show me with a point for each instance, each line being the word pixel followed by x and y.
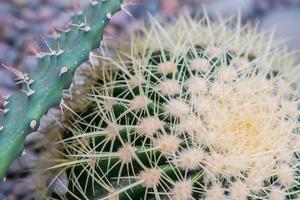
pixel 191 110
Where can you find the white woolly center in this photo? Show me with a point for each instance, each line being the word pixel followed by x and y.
pixel 255 181
pixel 213 51
pixel 182 190
pixel 112 130
pixel 126 153
pixel 215 193
pixel 136 80
pixel 167 143
pixel 285 175
pixel 149 125
pixel 190 159
pixel 177 108
pixel 290 108
pixel 139 102
pixel 166 68
pixel 241 62
pixel 277 194
pixel 150 177
pixel 168 87
pixel 239 191
pixel 196 85
pixel 200 64
pixel 191 125
pixel 227 74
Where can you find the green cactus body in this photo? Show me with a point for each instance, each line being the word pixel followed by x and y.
pixel 43 89
pixel 196 110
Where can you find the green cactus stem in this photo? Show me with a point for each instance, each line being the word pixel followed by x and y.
pixel 43 89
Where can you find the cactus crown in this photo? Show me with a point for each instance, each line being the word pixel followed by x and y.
pixel 188 111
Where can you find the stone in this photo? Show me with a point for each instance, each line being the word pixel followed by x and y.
pixel 33 138
pixel 59 185
pixel 6 79
pixel 5 92
pixel 8 54
pixel 23 186
pixel 29 63
pixel 6 187
pixel 2 196
pixel 22 163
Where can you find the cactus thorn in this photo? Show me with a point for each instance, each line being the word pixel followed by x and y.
pixel 91 55
pixel 30 81
pixel 5 110
pixel 63 71
pixel 125 10
pixel 5 103
pixel 77 25
pixel 53 32
pixel 102 47
pixel 23 153
pixel 29 92
pixel 58 52
pixel 58 49
pixel 108 15
pixel 82 26
pixel 86 28
pixel 63 30
pixel 33 124
pixel 36 51
pixel 51 51
pixel 1 128
pixel 21 75
pixel 61 106
pixel 93 2
pixel 41 55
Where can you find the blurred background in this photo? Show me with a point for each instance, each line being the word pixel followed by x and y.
pixel 24 22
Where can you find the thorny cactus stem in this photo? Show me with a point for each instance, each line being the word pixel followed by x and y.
pixel 195 110
pixel 43 89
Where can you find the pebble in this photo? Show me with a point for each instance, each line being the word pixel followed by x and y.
pixel 59 185
pixel 23 186
pixel 6 79
pixel 7 187
pixel 6 9
pixel 8 54
pixel 32 138
pixel 2 196
pixel 22 164
pixel 29 63
pixel 5 92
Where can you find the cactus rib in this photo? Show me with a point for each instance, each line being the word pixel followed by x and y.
pixel 43 89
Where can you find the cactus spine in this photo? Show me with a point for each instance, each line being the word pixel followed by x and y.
pixel 43 89
pixel 196 110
